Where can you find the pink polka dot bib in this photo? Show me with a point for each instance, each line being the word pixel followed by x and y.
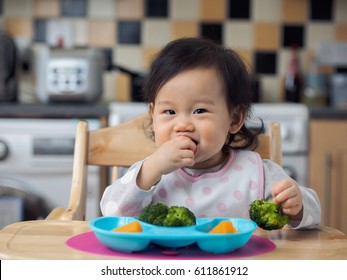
pixel 226 192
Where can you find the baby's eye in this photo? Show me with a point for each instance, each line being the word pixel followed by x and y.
pixel 169 112
pixel 200 111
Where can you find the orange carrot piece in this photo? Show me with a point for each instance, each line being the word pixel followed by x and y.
pixel 131 227
pixel 224 227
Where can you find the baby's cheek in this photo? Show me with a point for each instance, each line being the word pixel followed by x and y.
pixel 216 138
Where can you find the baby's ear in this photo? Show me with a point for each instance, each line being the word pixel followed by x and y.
pixel 151 108
pixel 237 119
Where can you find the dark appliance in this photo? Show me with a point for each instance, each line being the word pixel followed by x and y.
pixel 8 69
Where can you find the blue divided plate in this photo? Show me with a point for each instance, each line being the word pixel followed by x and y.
pixel 173 237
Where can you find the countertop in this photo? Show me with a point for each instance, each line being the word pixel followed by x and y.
pixel 328 113
pixel 17 110
pixel 60 110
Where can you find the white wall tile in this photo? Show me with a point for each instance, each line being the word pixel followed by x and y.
pixel 80 27
pixel 267 10
pixel 185 9
pixel 318 33
pixel 101 8
pixel 18 8
pixel 270 89
pixel 156 32
pixel 239 34
pixel 129 56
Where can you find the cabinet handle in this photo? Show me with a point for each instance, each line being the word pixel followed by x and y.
pixel 326 187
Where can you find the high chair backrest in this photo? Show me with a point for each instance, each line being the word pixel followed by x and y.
pixel 123 145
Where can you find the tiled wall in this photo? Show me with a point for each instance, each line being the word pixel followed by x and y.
pixel 132 31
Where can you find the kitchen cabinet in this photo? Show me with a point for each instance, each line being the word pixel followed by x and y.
pixel 328 169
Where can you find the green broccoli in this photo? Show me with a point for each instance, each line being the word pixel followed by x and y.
pixel 161 215
pixel 266 214
pixel 154 213
pixel 159 220
pixel 179 216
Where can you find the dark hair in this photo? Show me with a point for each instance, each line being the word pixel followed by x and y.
pixel 191 53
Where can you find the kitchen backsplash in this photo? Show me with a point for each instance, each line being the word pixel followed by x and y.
pixel 132 31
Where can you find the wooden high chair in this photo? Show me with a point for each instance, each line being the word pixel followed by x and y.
pixel 121 146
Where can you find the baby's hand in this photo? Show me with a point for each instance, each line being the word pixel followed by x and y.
pixel 174 154
pixel 287 193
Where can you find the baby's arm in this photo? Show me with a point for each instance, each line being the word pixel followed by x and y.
pixel 123 197
pixel 173 154
pixel 310 213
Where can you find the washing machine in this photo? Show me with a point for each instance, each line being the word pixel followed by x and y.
pixel 36 159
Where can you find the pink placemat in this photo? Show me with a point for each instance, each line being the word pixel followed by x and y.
pixel 87 242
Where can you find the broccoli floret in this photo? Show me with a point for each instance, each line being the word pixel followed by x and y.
pixel 161 215
pixel 154 213
pixel 179 216
pixel 159 220
pixel 266 214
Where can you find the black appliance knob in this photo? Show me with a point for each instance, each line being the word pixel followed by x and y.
pixel 4 150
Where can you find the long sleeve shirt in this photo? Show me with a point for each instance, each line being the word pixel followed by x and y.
pixel 225 191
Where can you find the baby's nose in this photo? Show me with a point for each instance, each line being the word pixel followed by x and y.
pixel 184 126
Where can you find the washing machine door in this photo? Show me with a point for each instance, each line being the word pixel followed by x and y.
pixel 19 203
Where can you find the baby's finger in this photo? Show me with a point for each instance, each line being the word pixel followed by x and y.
pixel 187 144
pixel 280 186
pixel 293 201
pixel 285 195
pixel 291 211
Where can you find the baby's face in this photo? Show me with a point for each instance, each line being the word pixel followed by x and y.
pixel 193 105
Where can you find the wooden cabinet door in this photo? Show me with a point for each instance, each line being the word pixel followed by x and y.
pixel 328 168
pixel 338 190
